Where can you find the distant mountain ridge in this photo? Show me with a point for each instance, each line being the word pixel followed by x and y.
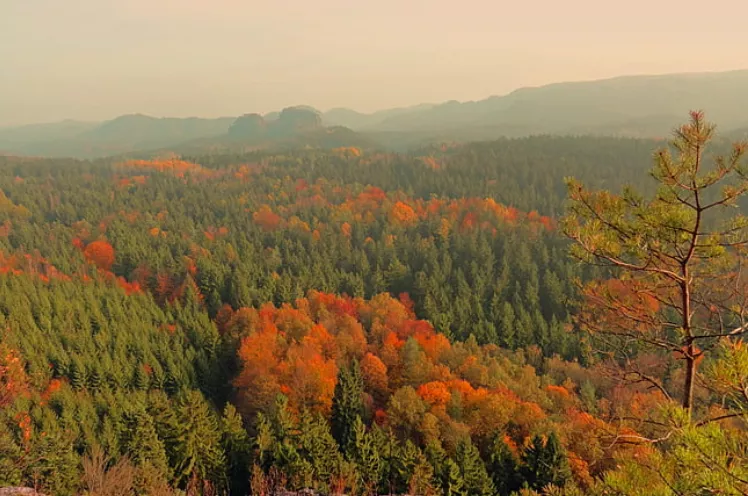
pixel 122 134
pixel 293 127
pixel 632 106
pixel 632 102
pixel 358 120
pixel 33 133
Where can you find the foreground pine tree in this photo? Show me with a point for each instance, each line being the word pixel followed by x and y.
pixel 679 291
pixel 677 258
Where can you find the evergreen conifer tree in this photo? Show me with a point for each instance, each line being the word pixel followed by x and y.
pixel 503 467
pixel 363 452
pixel 473 470
pixel 546 463
pixel 347 405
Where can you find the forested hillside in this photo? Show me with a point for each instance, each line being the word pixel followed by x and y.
pixel 356 322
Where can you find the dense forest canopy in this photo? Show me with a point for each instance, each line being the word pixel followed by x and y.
pixel 347 321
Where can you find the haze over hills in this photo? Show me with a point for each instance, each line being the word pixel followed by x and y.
pixel 357 120
pixel 122 134
pixel 634 106
pixel 293 127
pixel 17 137
pixel 739 134
pixel 628 105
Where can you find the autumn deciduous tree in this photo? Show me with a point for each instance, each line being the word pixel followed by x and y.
pixel 266 218
pixel 403 214
pixel 12 375
pixel 677 256
pixel 375 375
pixel 100 253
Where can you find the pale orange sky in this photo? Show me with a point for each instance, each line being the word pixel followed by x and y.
pixel 95 59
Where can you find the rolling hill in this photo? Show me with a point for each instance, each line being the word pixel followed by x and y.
pixel 631 106
pixel 16 138
pixel 123 134
pixel 292 128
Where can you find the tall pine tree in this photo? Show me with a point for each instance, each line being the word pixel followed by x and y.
pixel 347 405
pixel 546 463
pixel 473 470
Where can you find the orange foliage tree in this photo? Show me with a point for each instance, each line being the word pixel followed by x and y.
pixel 415 380
pixel 266 218
pixel 13 381
pixel 403 214
pixel 100 253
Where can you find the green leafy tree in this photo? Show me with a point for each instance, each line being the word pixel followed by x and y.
pixel 406 409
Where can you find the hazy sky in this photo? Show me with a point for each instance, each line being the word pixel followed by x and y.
pixel 95 59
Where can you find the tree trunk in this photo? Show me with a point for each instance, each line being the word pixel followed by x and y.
pixel 689 381
pixel 690 348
